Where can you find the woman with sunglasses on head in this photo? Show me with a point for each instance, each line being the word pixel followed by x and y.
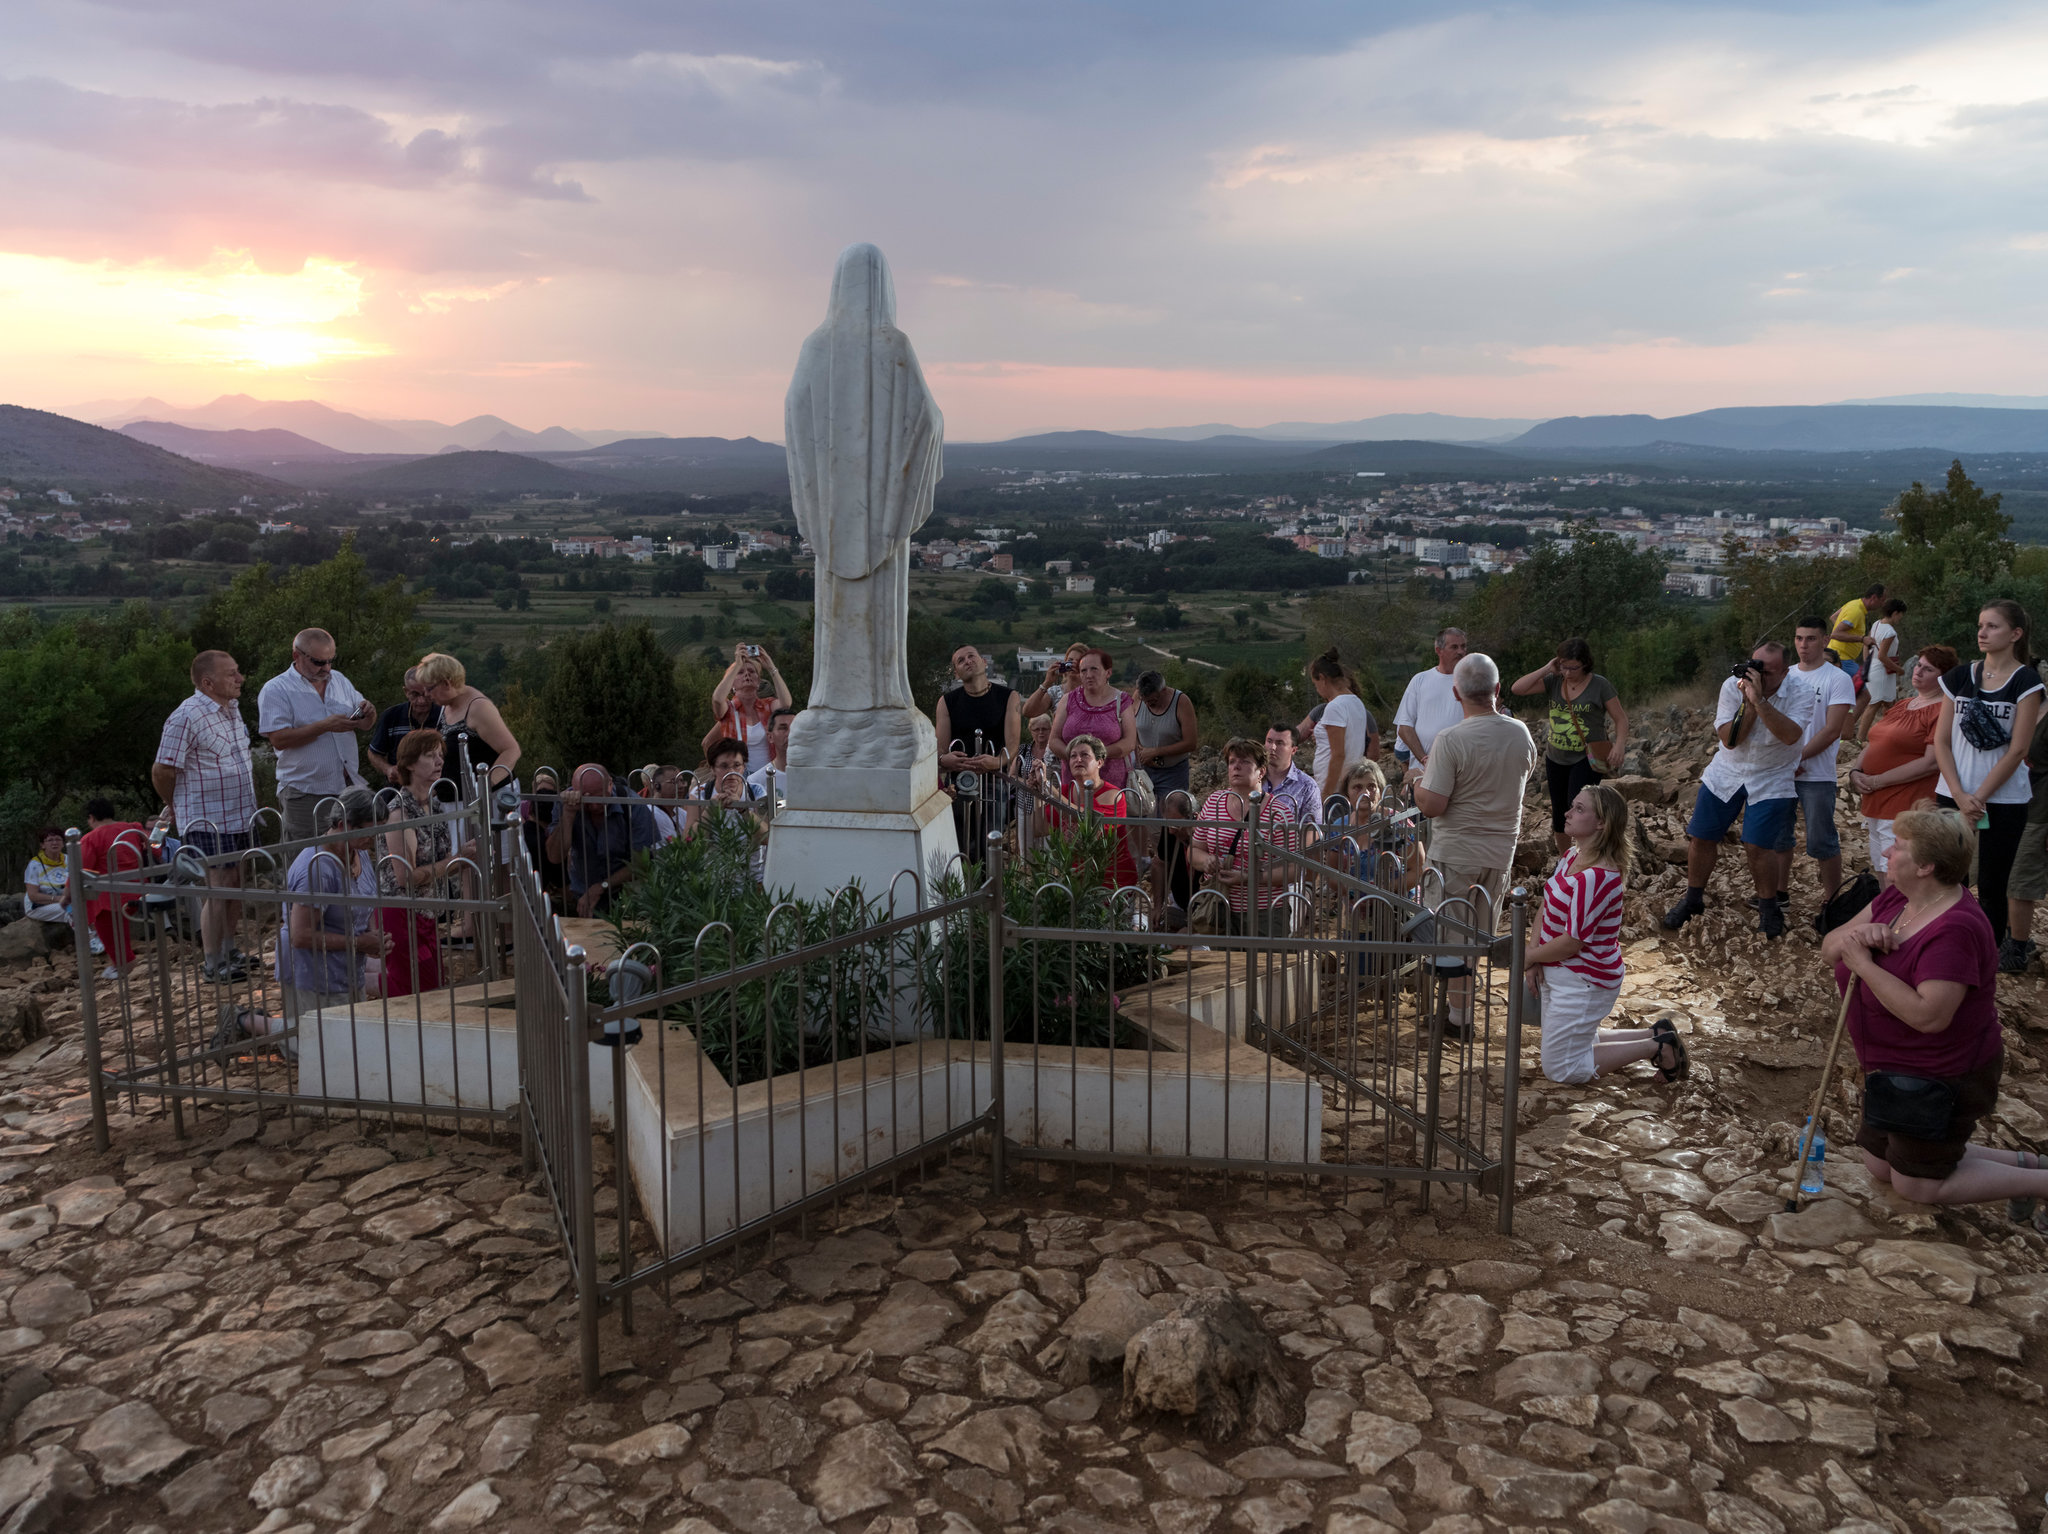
pixel 1587 722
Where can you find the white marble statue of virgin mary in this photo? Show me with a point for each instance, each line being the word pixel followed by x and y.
pixel 863 441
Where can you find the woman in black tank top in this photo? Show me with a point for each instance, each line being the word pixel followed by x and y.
pixel 475 731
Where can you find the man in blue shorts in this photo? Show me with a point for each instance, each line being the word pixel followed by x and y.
pixel 1760 720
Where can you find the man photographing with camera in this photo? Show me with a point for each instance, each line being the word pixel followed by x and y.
pixel 1760 721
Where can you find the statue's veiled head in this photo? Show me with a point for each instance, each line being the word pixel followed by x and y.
pixel 863 292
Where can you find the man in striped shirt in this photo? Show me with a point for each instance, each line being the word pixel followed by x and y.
pixel 203 772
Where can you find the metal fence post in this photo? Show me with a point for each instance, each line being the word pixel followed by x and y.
pixel 167 1026
pixel 487 882
pixel 582 1182
pixel 996 1095
pixel 1511 1078
pixel 88 995
pixel 621 1170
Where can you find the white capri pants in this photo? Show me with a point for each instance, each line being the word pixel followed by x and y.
pixel 1881 839
pixel 1573 1010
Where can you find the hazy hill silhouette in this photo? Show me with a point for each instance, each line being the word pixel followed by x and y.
pixel 36 445
pixel 474 473
pixel 240 448
pixel 1802 428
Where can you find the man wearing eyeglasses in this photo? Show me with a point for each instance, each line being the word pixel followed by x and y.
pixel 309 713
pixel 417 712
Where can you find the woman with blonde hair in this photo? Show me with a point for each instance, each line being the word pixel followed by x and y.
pixel 475 732
pixel 1576 961
pixel 477 740
pixel 741 711
pixel 1923 964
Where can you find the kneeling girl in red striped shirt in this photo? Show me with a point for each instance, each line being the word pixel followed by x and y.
pixel 1575 966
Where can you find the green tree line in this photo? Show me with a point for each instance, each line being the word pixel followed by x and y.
pixel 82 699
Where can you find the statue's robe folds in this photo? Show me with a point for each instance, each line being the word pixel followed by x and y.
pixel 864 441
pixel 863 435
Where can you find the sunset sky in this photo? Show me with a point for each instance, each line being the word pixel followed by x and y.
pixel 624 213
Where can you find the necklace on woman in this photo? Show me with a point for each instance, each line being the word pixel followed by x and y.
pixel 1911 916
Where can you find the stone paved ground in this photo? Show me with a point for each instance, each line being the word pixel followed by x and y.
pixel 316 1326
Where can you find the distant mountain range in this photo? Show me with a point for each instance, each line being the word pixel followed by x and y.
pixel 1425 427
pixel 1968 401
pixel 1802 428
pixel 347 433
pixel 241 446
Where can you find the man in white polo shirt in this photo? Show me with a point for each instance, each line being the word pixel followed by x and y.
pixel 309 712
pixel 1760 721
pixel 1430 705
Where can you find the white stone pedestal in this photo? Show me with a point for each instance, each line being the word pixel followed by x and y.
pixel 863 805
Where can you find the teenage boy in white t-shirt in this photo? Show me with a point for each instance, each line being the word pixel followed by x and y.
pixel 1815 779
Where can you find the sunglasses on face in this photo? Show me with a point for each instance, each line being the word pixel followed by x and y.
pixel 313 661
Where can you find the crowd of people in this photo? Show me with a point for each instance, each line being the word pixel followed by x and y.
pixel 1951 786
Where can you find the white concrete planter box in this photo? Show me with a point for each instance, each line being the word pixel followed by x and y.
pixel 706 1159
pixel 443 1049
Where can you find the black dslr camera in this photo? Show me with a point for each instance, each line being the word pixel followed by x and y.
pixel 1743 668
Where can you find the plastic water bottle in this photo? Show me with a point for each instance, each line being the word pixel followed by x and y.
pixel 1813 1174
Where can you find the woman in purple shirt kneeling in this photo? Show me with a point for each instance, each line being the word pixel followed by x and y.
pixel 1924 1020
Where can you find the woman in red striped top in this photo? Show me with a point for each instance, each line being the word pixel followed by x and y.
pixel 1577 958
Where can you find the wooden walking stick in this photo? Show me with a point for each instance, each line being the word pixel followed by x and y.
pixel 1827 1073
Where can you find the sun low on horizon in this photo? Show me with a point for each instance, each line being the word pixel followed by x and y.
pixel 224 320
pixel 1111 222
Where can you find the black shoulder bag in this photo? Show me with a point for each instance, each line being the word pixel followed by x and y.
pixel 1981 728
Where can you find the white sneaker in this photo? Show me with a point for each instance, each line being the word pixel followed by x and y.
pixel 97 947
pixel 110 973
